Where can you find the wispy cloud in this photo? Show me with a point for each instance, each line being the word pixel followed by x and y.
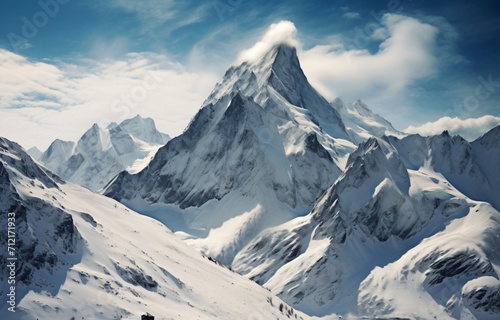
pixel 469 129
pixel 352 15
pixel 156 13
pixel 63 100
pixel 407 55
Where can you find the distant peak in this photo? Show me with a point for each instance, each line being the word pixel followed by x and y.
pixel 492 135
pixel 445 133
pixel 59 142
pixel 360 103
pixel 338 103
pixel 137 118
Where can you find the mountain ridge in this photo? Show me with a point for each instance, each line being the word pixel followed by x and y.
pixel 101 153
pixel 380 214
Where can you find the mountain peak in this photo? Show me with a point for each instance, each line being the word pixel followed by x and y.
pixel 276 77
pixel 284 50
pixel 136 119
pixel 102 152
pixel 445 134
pixel 492 134
pixel 34 152
pixel 279 53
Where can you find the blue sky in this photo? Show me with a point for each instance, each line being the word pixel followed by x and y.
pixel 65 64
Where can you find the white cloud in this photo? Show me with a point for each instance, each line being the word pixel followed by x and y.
pixel 157 11
pixel 469 129
pixel 281 32
pixel 352 15
pixel 42 101
pixel 406 55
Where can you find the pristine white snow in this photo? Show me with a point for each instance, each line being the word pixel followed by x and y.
pixel 109 262
pixel 436 273
pixel 384 241
pixel 102 153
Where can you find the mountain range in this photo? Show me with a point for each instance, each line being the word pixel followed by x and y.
pixel 324 204
pixel 263 147
pixel 268 180
pixel 101 153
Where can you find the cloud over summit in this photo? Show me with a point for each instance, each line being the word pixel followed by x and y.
pixel 281 32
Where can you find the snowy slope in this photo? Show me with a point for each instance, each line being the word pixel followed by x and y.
pixel 83 255
pixel 101 153
pixel 361 122
pixel 380 239
pixel 260 151
pixel 472 168
pixel 454 273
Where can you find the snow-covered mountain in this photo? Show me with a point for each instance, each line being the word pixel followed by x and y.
pixel 101 153
pixel 361 122
pixel 267 180
pixel 57 153
pixel 261 150
pixel 472 168
pixel 81 255
pixel 35 153
pixel 391 238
